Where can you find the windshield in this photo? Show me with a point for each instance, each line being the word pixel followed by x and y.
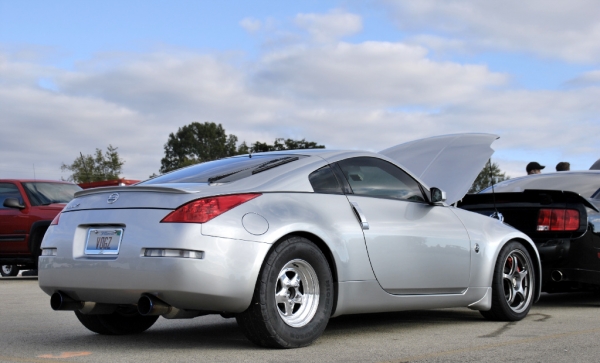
pixel 224 170
pixel 585 184
pixel 44 193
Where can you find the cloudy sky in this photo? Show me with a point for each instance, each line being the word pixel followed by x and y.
pixel 80 75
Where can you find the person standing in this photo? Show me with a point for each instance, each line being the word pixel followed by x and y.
pixel 563 166
pixel 534 168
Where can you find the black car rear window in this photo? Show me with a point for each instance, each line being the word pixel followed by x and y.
pixel 224 170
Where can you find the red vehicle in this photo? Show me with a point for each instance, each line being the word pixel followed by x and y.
pixel 27 207
pixel 108 183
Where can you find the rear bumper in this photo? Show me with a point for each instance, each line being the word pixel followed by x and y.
pixel 223 280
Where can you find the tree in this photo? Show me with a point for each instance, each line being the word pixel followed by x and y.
pixel 484 179
pixel 91 168
pixel 284 144
pixel 197 143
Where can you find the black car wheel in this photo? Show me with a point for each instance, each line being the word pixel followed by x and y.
pixel 9 270
pixel 293 297
pixel 123 321
pixel 513 286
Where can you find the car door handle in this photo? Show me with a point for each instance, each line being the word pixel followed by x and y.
pixel 361 217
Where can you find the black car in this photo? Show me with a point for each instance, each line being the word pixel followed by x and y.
pixel 560 212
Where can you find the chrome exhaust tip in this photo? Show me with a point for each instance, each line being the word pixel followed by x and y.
pixel 151 305
pixel 556 276
pixel 60 301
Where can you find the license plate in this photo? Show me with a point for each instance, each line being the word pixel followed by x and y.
pixel 103 241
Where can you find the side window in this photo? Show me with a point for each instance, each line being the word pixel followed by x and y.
pixel 9 190
pixel 324 181
pixel 378 178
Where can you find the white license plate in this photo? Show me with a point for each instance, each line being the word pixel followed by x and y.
pixel 103 241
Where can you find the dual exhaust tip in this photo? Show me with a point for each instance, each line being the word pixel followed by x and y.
pixel 148 305
pixel 557 276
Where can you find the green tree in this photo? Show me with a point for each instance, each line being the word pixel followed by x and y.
pixel 97 167
pixel 285 144
pixel 197 143
pixel 491 171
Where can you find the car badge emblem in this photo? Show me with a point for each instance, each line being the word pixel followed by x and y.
pixel 112 198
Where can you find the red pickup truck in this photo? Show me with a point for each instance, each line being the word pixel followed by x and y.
pixel 26 209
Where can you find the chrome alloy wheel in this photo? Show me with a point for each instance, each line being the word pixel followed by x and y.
pixel 517 281
pixel 7 269
pixel 297 293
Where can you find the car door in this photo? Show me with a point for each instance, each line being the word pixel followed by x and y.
pixel 414 247
pixel 13 222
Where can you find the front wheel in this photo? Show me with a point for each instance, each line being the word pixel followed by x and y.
pixel 9 270
pixel 293 297
pixel 513 286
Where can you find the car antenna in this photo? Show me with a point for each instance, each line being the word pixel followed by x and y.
pixel 497 215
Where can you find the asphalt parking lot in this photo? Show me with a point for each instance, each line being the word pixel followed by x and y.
pixel 560 328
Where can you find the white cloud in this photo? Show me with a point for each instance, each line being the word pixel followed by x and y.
pixel 330 27
pixel 587 79
pixel 370 74
pixel 567 30
pixel 369 95
pixel 251 25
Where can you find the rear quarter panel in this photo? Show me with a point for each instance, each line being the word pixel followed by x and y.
pixel 491 235
pixel 327 217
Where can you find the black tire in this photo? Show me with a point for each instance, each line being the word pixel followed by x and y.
pixel 288 310
pixel 121 322
pixel 36 245
pixel 513 286
pixel 9 270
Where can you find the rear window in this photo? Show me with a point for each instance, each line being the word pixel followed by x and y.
pixel 42 193
pixel 224 170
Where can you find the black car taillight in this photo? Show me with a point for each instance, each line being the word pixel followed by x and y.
pixel 558 220
pixel 205 209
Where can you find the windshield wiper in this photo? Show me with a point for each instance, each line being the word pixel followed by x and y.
pixel 274 163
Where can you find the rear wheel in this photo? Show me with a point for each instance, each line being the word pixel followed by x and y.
pixel 9 270
pixel 513 286
pixel 293 297
pixel 121 322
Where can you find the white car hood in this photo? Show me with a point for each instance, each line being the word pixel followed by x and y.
pixel 448 162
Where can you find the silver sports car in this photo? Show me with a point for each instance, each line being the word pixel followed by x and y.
pixel 283 241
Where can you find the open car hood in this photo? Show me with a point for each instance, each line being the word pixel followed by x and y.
pixel 448 162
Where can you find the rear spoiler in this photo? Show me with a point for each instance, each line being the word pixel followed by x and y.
pixel 132 188
pixel 537 196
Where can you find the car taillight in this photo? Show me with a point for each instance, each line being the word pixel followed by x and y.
pixel 558 220
pixel 205 209
pixel 55 220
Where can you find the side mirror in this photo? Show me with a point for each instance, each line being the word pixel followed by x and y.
pixel 437 196
pixel 13 203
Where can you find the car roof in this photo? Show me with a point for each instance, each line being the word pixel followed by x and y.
pixel 584 182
